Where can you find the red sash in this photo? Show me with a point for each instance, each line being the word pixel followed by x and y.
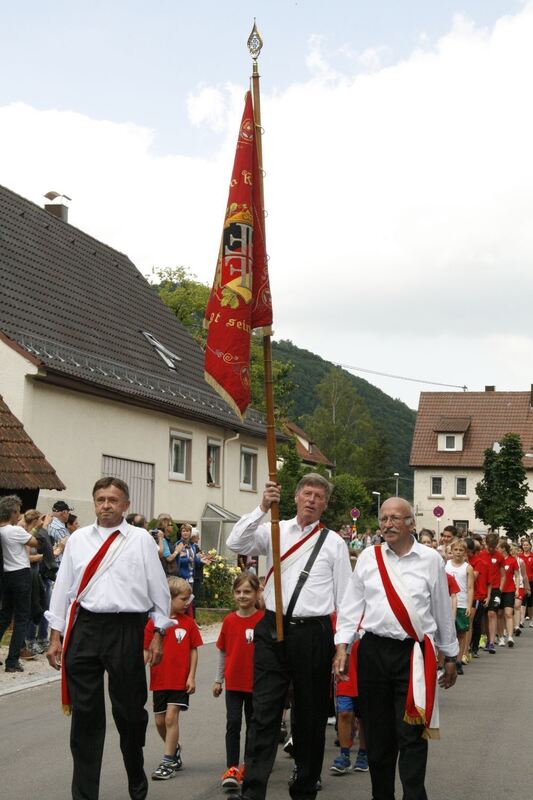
pixel 295 547
pixel 88 574
pixel 413 714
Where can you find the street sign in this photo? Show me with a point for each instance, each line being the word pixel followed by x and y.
pixel 355 513
pixel 438 511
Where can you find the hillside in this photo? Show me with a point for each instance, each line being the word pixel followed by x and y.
pixel 395 418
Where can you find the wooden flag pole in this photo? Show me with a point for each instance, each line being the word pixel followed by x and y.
pixel 255 43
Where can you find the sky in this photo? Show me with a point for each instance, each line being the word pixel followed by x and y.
pixel 397 150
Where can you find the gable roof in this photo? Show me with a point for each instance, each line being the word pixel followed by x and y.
pixel 490 415
pixel 316 456
pixel 79 308
pixel 22 465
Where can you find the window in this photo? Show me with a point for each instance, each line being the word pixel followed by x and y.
pixel 460 487
pixel 180 456
pixel 461 525
pixel 450 443
pixel 436 486
pixel 248 469
pixel 213 462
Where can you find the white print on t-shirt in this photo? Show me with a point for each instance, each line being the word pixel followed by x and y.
pixel 506 566
pixel 249 633
pixel 493 560
pixel 180 634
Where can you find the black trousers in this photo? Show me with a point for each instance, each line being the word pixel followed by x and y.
pixel 16 597
pixel 235 703
pixel 111 643
pixel 383 680
pixel 303 658
pixel 476 625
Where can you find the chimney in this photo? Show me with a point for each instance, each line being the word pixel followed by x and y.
pixel 490 388
pixel 58 205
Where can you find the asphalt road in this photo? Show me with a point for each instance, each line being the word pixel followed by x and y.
pixel 485 748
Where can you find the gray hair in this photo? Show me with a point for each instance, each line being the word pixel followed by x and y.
pixel 314 479
pixel 8 506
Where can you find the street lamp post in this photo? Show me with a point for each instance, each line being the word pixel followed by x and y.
pixel 378 495
pixel 396 476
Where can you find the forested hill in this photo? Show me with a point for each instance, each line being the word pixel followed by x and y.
pixel 393 417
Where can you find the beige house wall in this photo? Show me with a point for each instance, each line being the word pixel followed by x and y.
pixel 455 508
pixel 75 430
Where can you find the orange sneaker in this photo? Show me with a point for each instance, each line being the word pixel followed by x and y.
pixel 231 778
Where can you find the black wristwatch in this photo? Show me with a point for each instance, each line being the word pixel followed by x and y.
pixel 447 659
pixel 160 631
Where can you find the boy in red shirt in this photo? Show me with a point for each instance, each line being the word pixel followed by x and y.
pixel 481 592
pixel 173 679
pixel 527 558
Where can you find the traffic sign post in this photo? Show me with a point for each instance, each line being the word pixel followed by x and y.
pixel 438 512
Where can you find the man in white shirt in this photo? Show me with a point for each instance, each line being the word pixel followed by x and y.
pixel 304 656
pixel 385 649
pixel 16 580
pixel 107 636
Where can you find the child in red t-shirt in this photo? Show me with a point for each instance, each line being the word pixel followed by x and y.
pixel 347 696
pixel 509 590
pixel 236 667
pixel 173 679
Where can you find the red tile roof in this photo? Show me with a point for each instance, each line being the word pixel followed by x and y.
pixel 492 415
pixel 314 457
pixel 22 465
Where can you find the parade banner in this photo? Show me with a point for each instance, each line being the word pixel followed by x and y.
pixel 240 300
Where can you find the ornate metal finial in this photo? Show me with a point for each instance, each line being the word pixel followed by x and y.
pixel 255 43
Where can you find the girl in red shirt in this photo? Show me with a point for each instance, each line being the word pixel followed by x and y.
pixel 236 667
pixel 509 591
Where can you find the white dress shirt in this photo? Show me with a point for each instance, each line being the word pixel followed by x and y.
pixel 134 582
pixel 327 580
pixel 365 601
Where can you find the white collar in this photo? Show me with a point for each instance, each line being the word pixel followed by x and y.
pixel 124 528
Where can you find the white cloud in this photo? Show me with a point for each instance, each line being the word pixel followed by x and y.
pixel 399 198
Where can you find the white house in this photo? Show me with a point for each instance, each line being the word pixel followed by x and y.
pixel 106 381
pixel 452 432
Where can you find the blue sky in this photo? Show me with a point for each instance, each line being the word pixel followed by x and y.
pixel 132 61
pixel 397 149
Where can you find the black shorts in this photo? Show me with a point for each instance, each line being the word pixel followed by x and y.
pixel 527 600
pixel 169 697
pixel 507 600
pixel 494 593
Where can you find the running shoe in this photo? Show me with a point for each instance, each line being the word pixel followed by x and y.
pixel 459 668
pixel 491 648
pixel 475 654
pixel 178 763
pixel 510 642
pixel 483 640
pixel 230 779
pixel 517 632
pixel 465 659
pixel 242 770
pixel 501 643
pixel 341 765
pixel 27 655
pixel 164 771
pixel 361 762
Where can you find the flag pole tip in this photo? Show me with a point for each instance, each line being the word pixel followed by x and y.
pixel 255 42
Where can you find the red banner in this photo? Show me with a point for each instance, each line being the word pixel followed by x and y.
pixel 240 299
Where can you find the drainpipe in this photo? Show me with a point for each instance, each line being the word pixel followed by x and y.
pixel 225 442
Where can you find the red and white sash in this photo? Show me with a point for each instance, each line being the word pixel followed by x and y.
pixel 422 706
pixel 99 563
pixel 293 554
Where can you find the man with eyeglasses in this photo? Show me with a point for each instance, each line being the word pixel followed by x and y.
pixel 398 594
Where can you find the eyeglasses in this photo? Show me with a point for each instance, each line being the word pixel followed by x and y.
pixel 394 518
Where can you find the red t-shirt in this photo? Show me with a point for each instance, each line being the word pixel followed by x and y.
pixel 236 639
pixel 495 562
pixel 453 586
pixel 481 583
pixel 173 669
pixel 510 564
pixel 528 561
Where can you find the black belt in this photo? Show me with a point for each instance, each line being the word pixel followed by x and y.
pixel 300 620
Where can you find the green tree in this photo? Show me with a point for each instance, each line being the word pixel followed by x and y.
pixel 504 488
pixel 288 476
pixel 340 424
pixel 349 491
pixel 375 466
